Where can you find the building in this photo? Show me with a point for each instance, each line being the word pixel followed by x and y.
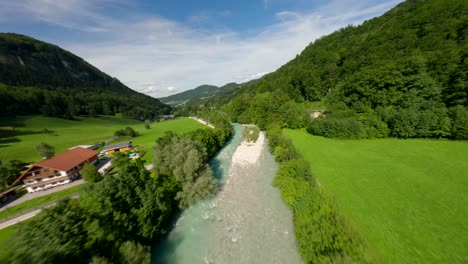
pixel 118 147
pixel 7 196
pixel 166 117
pixel 58 170
pixel 92 147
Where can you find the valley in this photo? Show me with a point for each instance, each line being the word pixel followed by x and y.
pixel 317 132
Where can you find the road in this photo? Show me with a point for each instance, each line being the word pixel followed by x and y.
pixel 34 195
pixel 18 219
pixel 201 121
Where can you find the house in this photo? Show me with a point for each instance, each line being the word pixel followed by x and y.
pixel 165 117
pixel 58 170
pixel 7 196
pixel 118 147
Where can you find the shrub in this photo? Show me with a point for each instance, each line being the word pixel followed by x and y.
pixel 335 127
pixel 128 131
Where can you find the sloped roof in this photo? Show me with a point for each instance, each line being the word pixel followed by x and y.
pixel 117 145
pixel 68 159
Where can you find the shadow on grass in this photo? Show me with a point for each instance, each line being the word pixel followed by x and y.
pixel 5 142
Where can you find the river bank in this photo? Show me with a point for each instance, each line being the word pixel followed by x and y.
pixel 247 222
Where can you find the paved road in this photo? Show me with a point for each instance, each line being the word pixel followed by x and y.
pixel 201 121
pixel 30 196
pixel 18 219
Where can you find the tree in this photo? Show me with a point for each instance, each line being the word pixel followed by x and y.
pixel 459 116
pixel 45 150
pixel 9 171
pixel 135 253
pixel 90 173
pixel 130 132
pixel 185 159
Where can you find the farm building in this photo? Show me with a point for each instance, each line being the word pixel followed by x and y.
pixel 165 117
pixel 118 147
pixel 58 170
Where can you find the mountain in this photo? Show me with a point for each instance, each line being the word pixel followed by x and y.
pixel 403 74
pixel 181 99
pixel 40 78
pixel 199 95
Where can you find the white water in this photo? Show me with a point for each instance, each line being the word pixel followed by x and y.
pixel 247 222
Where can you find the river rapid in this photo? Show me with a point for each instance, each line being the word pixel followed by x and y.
pixel 246 222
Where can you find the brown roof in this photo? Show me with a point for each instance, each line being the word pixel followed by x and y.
pixel 68 159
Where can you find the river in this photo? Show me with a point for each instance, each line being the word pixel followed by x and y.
pixel 246 222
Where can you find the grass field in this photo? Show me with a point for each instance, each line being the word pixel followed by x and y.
pixel 147 137
pixel 5 236
pixel 408 197
pixel 84 131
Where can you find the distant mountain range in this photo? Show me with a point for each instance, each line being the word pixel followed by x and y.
pixel 199 95
pixel 40 78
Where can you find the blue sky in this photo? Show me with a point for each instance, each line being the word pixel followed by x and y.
pixel 164 47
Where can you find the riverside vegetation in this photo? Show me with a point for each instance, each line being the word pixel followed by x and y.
pixel 324 235
pixel 117 219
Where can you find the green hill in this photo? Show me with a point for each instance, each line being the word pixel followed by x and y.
pixel 403 74
pixel 201 95
pixel 40 78
pixel 182 98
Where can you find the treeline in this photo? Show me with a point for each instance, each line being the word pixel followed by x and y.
pixel 71 102
pixel 412 122
pixel 324 235
pixel 117 219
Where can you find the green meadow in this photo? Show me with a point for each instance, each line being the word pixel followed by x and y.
pixel 407 197
pixel 83 131
pixel 5 236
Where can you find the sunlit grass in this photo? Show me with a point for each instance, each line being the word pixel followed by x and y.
pixel 408 197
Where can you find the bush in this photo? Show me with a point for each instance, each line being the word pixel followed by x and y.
pixel 128 131
pixel 334 127
pixel 45 150
pixel 90 173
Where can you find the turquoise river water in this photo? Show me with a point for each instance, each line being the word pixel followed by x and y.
pixel 246 222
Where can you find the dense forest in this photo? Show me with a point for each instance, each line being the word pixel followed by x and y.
pixel 40 78
pixel 117 219
pixel 403 74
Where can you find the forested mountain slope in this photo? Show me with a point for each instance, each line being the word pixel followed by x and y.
pixel 403 74
pixel 201 95
pixel 38 77
pixel 182 98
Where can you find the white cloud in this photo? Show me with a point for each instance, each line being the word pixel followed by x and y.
pixel 155 55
